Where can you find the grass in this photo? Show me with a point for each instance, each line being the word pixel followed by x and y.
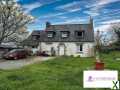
pixel 61 73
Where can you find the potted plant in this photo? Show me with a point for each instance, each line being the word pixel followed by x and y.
pixel 99 64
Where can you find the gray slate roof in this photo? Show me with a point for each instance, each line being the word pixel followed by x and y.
pixel 87 28
pixel 57 29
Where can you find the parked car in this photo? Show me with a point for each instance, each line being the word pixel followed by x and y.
pixel 42 53
pixel 16 54
pixel 29 52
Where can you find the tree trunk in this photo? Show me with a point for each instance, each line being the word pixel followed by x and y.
pixel 0 42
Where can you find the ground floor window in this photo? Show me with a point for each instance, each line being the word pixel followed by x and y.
pixel 34 46
pixel 79 47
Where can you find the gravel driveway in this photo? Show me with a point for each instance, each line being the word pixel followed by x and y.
pixel 16 64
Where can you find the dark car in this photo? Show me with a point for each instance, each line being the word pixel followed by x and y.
pixel 42 53
pixel 29 52
pixel 16 54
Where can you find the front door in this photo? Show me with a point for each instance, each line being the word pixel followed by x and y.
pixel 61 50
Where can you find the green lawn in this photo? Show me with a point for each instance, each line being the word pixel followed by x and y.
pixel 62 73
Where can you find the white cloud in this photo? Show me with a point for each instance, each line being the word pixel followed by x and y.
pixel 74 10
pixel 92 13
pixel 76 20
pixel 70 7
pixel 101 3
pixel 95 7
pixel 30 7
pixel 17 0
pixel 53 15
pixel 62 17
pixel 103 28
pixel 105 25
pixel 111 21
pixel 45 2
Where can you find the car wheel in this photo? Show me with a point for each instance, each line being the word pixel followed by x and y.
pixel 15 58
pixel 25 56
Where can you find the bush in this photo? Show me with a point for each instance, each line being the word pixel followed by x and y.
pixel 108 49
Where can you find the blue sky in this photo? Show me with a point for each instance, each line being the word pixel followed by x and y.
pixel 104 12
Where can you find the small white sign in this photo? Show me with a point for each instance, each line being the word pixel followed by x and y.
pixel 100 79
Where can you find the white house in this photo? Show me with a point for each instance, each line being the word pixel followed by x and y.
pixel 66 39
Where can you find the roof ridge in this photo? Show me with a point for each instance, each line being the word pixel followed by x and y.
pixel 69 24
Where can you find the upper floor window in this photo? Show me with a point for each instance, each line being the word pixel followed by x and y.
pixel 36 37
pixel 79 33
pixel 64 34
pixel 50 34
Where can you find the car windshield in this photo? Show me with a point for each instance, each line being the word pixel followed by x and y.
pixel 12 51
pixel 15 50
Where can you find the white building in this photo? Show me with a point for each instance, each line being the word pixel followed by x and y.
pixel 67 39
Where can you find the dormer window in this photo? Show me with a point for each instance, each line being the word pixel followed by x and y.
pixel 64 34
pixel 79 34
pixel 50 34
pixel 36 37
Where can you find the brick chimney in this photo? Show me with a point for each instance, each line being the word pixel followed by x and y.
pixel 48 24
pixel 91 23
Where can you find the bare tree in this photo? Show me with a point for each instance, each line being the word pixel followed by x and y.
pixel 116 29
pixel 98 42
pixel 18 37
pixel 106 38
pixel 101 40
pixel 12 19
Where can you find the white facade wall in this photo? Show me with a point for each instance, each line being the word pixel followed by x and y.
pixel 70 48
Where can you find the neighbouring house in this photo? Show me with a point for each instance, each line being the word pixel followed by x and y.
pixel 66 39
